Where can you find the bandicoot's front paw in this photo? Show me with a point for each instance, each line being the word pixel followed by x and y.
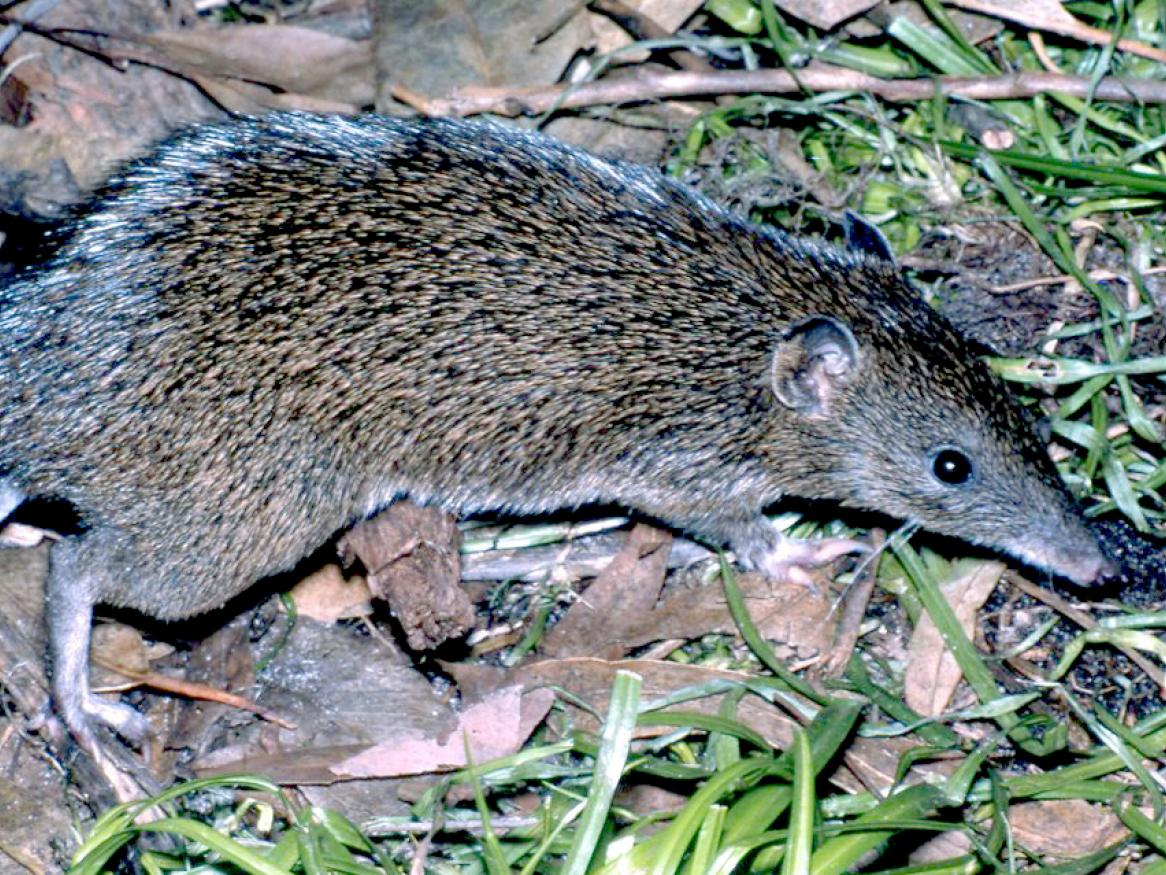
pixel 787 560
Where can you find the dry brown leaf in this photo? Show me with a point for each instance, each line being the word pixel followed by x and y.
pixel 798 619
pixel 793 617
pixel 667 14
pixel 974 28
pixel 476 680
pixel 1051 16
pixel 411 554
pixel 85 111
pixel 872 764
pixel 1047 15
pixel 624 592
pixel 494 727
pixel 941 848
pixel 115 644
pixel 247 97
pixel 622 614
pixel 1064 828
pixel 932 674
pixel 222 661
pixel 327 595
pixel 344 691
pixel 433 48
pixel 825 14
pixel 591 679
pixel 649 799
pixel 297 60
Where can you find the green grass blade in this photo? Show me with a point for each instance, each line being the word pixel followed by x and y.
pixel 757 642
pixel 615 742
pixel 802 810
pixel 838 855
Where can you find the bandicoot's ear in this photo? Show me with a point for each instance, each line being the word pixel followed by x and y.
pixel 865 237
pixel 810 362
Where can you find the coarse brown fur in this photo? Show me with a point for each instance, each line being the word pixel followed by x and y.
pixel 267 329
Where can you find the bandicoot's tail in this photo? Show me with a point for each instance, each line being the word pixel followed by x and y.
pixel 15 535
pixel 11 497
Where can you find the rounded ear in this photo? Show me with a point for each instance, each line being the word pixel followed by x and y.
pixel 865 237
pixel 811 361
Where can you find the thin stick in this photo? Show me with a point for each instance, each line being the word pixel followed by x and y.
pixel 656 85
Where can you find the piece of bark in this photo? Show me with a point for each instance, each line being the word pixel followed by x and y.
pixel 411 554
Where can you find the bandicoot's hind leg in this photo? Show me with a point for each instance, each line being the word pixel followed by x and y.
pixel 77 567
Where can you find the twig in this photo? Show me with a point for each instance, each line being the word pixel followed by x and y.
pixel 191 690
pixel 656 85
pixel 30 14
pixel 1037 42
pixel 1098 275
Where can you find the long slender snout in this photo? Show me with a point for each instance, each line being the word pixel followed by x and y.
pixel 1084 563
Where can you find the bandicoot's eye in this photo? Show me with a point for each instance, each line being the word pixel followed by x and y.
pixel 951 466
